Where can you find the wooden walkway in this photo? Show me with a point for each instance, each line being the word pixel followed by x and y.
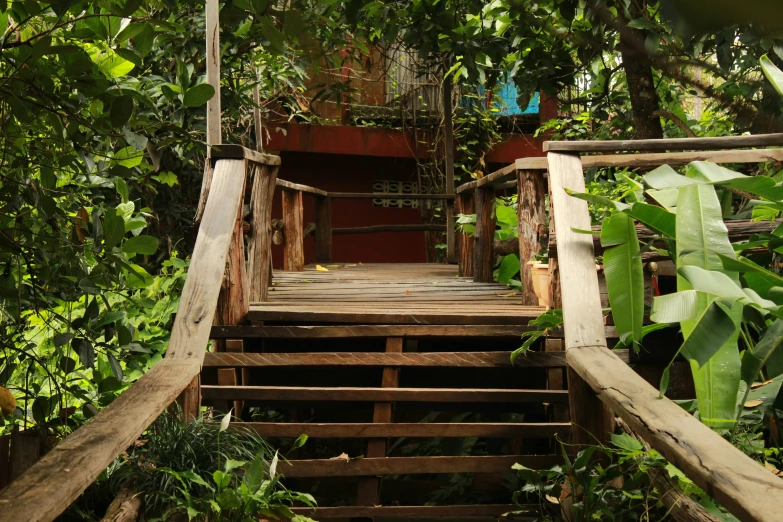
pixel 415 294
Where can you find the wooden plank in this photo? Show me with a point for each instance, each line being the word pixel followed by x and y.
pixel 555 380
pixel 388 195
pixel 412 430
pixel 296 187
pixel 652 160
pixel 293 238
pixel 499 176
pixel 350 394
pixel 518 315
pixel 25 451
pixel 260 242
pixel 465 241
pixel 51 485
pixel 332 332
pixel 199 297
pixel 323 230
pixel 377 359
pixel 722 142
pixel 409 512
pixel 448 146
pixel 736 481
pixel 413 465
pixel 374 229
pixel 190 400
pixel 532 226
pixel 214 128
pixel 484 201
pixel 224 151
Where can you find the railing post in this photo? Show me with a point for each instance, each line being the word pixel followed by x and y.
pixel 260 244
pixel 531 190
pixel 323 230
pixel 483 244
pixel 293 231
pixel 464 241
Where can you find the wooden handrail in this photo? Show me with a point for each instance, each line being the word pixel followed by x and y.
pixel 296 187
pixel 670 144
pixel 744 487
pixel 53 483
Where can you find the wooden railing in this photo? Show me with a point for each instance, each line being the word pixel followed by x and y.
pixel 600 384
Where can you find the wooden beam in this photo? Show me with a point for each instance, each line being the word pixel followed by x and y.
pixel 722 142
pixel 506 511
pixel 388 195
pixel 374 229
pixel 293 228
pixel 413 465
pixel 448 145
pixel 499 176
pixel 334 332
pixel 300 393
pixel 296 187
pixel 532 226
pixel 260 242
pixel 733 479
pixel 412 430
pixel 484 239
pixel 214 129
pixel 376 359
pixel 239 152
pixel 465 205
pixel 323 230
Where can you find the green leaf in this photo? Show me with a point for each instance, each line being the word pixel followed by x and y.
pixel 121 110
pixel 701 234
pixel 655 218
pixel 624 275
pixel 599 201
pixel 712 282
pixel 198 95
pixel 137 277
pixel 675 308
pixel 113 228
pixel 709 332
pixel 222 480
pixel 626 442
pixel 254 475
pixel 665 177
pixel 509 267
pixel 773 74
pixel 115 366
pixel 122 189
pixel 506 216
pixel 711 173
pixel 754 359
pixel 128 157
pixel 146 245
pixel 144 40
pixel 86 351
pixel 232 464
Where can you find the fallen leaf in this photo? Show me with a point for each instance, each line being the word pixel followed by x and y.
pixel 321 269
pixel 341 456
pixel 760 384
pixel 333 266
pixel 408 292
pixel 773 469
pixel 754 403
pixel 348 266
pixel 552 499
pixel 510 294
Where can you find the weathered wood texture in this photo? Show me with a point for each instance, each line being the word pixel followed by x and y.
pixel 189 400
pixel 199 297
pixel 293 238
pixel 531 210
pixel 296 187
pixel 368 331
pixel 740 484
pixel 465 241
pixel 556 380
pixel 323 230
pixel 412 465
pixel 420 360
pixel 433 313
pixel 497 177
pixel 349 394
pixel 671 144
pixel 508 511
pixel 240 152
pixel 411 430
pixel 374 229
pixel 214 129
pixel 125 507
pixel 485 235
pixel 51 485
pixel 25 451
pixel 260 242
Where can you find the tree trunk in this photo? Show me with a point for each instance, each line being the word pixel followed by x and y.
pixel 641 86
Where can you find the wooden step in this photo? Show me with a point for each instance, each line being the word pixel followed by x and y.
pixel 412 430
pixel 359 467
pixel 330 332
pixel 296 393
pixel 414 314
pixel 386 359
pixel 409 512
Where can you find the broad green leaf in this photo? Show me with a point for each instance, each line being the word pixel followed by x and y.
pixel 655 218
pixel 712 282
pixel 128 157
pixel 624 274
pixel 711 173
pixel 109 62
pixel 222 480
pixel 675 308
pixel 113 228
pixel 126 210
pixel 753 360
pixel 506 216
pixel 146 245
pixel 599 201
pixel 137 277
pixel 626 442
pixel 773 74
pixel 757 277
pixel 667 198
pixel 232 464
pixel 709 332
pixel 198 95
pixel 509 267
pixel 665 177
pixel 254 476
pixel 121 110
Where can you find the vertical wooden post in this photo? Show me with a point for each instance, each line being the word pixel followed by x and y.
pixel 464 241
pixel 5 463
pixel 555 299
pixel 583 323
pixel 369 487
pixel 451 255
pixel 484 198
pixel 25 451
pixel 323 230
pixel 531 188
pixel 190 401
pixel 555 380
pixel 293 231
pixel 260 243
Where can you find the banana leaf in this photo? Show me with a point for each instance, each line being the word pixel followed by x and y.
pixel 774 75
pixel 624 275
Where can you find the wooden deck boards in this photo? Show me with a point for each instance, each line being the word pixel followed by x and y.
pixel 390 294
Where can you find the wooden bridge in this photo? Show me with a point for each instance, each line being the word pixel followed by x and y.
pixel 361 353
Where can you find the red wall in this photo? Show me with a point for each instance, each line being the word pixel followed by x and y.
pixel 348 173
